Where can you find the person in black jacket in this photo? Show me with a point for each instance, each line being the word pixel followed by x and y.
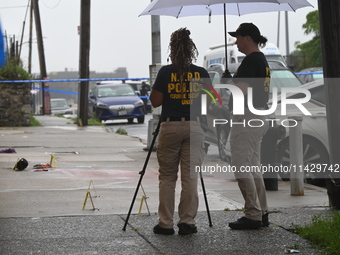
pixel 247 130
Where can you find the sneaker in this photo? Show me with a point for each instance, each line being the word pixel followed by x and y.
pixel 186 229
pixel 163 231
pixel 265 220
pixel 245 223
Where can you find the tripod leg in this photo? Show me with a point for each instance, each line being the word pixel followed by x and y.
pixel 133 201
pixel 205 199
pixel 142 173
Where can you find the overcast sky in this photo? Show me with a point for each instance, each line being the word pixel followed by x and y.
pixel 119 38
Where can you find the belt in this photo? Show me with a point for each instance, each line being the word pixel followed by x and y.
pixel 164 119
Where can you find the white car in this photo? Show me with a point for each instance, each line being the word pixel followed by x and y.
pixel 314 131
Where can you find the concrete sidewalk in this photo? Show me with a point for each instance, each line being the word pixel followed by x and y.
pixel 41 211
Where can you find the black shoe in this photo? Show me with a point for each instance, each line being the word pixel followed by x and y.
pixel 186 229
pixel 265 220
pixel 245 223
pixel 163 231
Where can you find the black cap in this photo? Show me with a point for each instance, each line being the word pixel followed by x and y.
pixel 247 29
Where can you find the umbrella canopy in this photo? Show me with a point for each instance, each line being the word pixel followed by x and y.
pixel 184 8
pixel 178 8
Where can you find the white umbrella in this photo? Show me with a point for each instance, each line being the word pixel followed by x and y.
pixel 185 8
pixel 185 3
pixel 177 8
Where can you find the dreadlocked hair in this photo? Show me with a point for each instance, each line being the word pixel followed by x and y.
pixel 182 51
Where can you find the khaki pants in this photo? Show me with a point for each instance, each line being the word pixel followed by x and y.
pixel 180 143
pixel 245 144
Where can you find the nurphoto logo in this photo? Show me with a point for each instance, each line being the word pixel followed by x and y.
pixel 238 105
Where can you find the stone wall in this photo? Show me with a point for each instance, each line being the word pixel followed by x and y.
pixel 15 104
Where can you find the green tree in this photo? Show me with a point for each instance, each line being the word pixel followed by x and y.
pixel 309 52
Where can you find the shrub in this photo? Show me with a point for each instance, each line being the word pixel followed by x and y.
pixel 12 71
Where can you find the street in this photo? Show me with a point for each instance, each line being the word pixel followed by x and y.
pixel 141 131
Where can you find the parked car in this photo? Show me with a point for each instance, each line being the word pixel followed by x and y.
pixel 281 76
pixel 60 106
pixel 141 87
pixel 116 101
pixel 310 74
pixel 314 132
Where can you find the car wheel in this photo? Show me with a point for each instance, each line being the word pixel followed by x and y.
pixel 313 153
pixel 141 119
pixel 222 136
pixel 130 120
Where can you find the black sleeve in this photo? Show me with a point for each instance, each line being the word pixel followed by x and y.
pixel 248 68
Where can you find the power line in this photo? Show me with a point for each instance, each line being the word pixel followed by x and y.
pixel 11 7
pixel 23 28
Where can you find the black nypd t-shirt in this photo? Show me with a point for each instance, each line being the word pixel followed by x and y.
pixel 254 70
pixel 181 99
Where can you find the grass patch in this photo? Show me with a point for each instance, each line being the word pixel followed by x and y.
pixel 121 131
pixel 323 232
pixel 34 122
pixel 90 121
pixel 227 209
pixel 94 122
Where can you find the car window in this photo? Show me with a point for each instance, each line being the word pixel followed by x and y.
pixel 115 91
pixel 318 94
pixel 283 78
pixel 317 76
pixel 92 92
pixel 277 58
pixel 58 103
pixel 240 59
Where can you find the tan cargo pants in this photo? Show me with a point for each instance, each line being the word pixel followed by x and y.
pixel 180 143
pixel 246 136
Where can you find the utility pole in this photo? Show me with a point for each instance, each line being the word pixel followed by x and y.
pixel 30 41
pixel 84 61
pixel 287 40
pixel 278 30
pixel 43 73
pixel 156 39
pixel 22 32
pixel 153 70
pixel 329 18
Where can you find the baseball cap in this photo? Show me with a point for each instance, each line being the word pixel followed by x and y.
pixel 247 29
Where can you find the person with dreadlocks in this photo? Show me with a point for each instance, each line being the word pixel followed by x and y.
pixel 177 89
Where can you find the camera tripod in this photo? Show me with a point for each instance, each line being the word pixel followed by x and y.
pixel 155 133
